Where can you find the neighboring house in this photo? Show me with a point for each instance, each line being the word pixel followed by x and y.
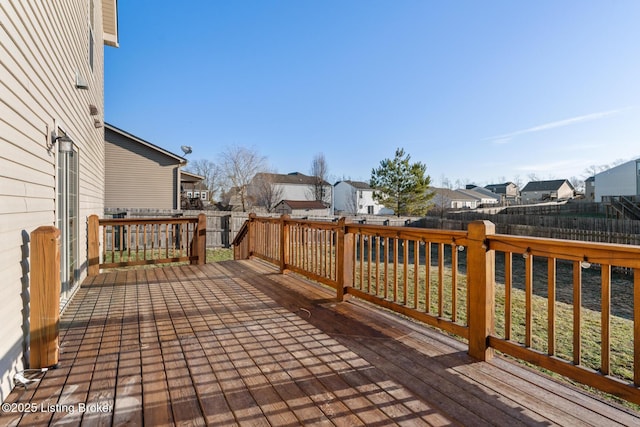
pixel 302 208
pixel 544 191
pixel 445 198
pixel 356 198
pixel 621 180
pixel 292 186
pixel 51 148
pixel 192 186
pixel 508 191
pixel 139 174
pixel 482 195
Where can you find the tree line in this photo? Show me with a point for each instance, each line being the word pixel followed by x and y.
pixel 242 174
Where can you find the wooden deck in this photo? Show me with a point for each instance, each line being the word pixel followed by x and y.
pixel 236 343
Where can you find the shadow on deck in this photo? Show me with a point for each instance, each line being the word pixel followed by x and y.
pixel 237 343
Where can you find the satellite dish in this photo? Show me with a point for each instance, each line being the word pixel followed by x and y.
pixel 186 149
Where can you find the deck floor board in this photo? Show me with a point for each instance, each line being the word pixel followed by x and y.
pixel 237 343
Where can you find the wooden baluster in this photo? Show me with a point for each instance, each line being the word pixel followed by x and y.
pixel 528 291
pixel 454 283
pixel 508 277
pixel 577 312
pixel 605 347
pixel 551 306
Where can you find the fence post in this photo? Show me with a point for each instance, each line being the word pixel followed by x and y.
pixel 44 291
pixel 344 255
pixel 481 289
pixel 284 243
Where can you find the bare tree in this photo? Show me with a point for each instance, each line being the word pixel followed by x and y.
pixel 517 180
pixel 239 165
pixel 577 183
pixel 265 192
pixel 211 173
pixel 319 171
pixel 441 200
pixel 351 201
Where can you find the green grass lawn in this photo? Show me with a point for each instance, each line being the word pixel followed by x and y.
pixel 213 255
pixel 219 254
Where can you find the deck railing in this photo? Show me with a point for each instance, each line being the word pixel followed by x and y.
pixel 122 242
pixel 523 296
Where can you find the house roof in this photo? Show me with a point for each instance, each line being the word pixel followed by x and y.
pixel 551 185
pixel 291 178
pixel 303 204
pixel 141 141
pixel 451 194
pixel 357 184
pixel 498 188
pixel 480 193
pixel 190 177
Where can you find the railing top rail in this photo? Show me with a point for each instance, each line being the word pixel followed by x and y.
pixel 323 225
pixel 593 252
pixel 124 221
pixel 315 223
pixel 410 233
pixel 241 233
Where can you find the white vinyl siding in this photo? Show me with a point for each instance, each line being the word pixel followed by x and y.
pixel 621 180
pixel 42 46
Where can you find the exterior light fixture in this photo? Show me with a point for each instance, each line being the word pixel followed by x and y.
pixel 65 144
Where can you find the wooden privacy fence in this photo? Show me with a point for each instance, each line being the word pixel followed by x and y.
pixel 129 242
pixel 536 311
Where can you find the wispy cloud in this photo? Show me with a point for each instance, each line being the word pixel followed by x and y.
pixel 507 137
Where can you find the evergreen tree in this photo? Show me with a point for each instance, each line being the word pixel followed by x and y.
pixel 401 185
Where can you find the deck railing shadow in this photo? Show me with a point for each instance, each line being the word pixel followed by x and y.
pixel 424 373
pixel 418 273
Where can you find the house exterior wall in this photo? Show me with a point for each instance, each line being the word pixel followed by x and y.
pixel 285 209
pixel 622 180
pixel 511 190
pixel 357 201
pixel 138 176
pixel 564 191
pixel 462 204
pixel 300 192
pixel 39 58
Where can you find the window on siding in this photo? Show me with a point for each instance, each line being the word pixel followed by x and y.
pixel 196 194
pixel 203 195
pixel 189 194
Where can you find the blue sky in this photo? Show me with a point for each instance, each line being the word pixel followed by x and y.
pixel 479 91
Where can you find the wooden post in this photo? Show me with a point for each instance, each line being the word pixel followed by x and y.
pixel 481 289
pixel 284 243
pixel 44 291
pixel 251 235
pixel 200 241
pixel 93 240
pixel 344 248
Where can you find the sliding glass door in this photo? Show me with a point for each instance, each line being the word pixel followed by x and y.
pixel 67 220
